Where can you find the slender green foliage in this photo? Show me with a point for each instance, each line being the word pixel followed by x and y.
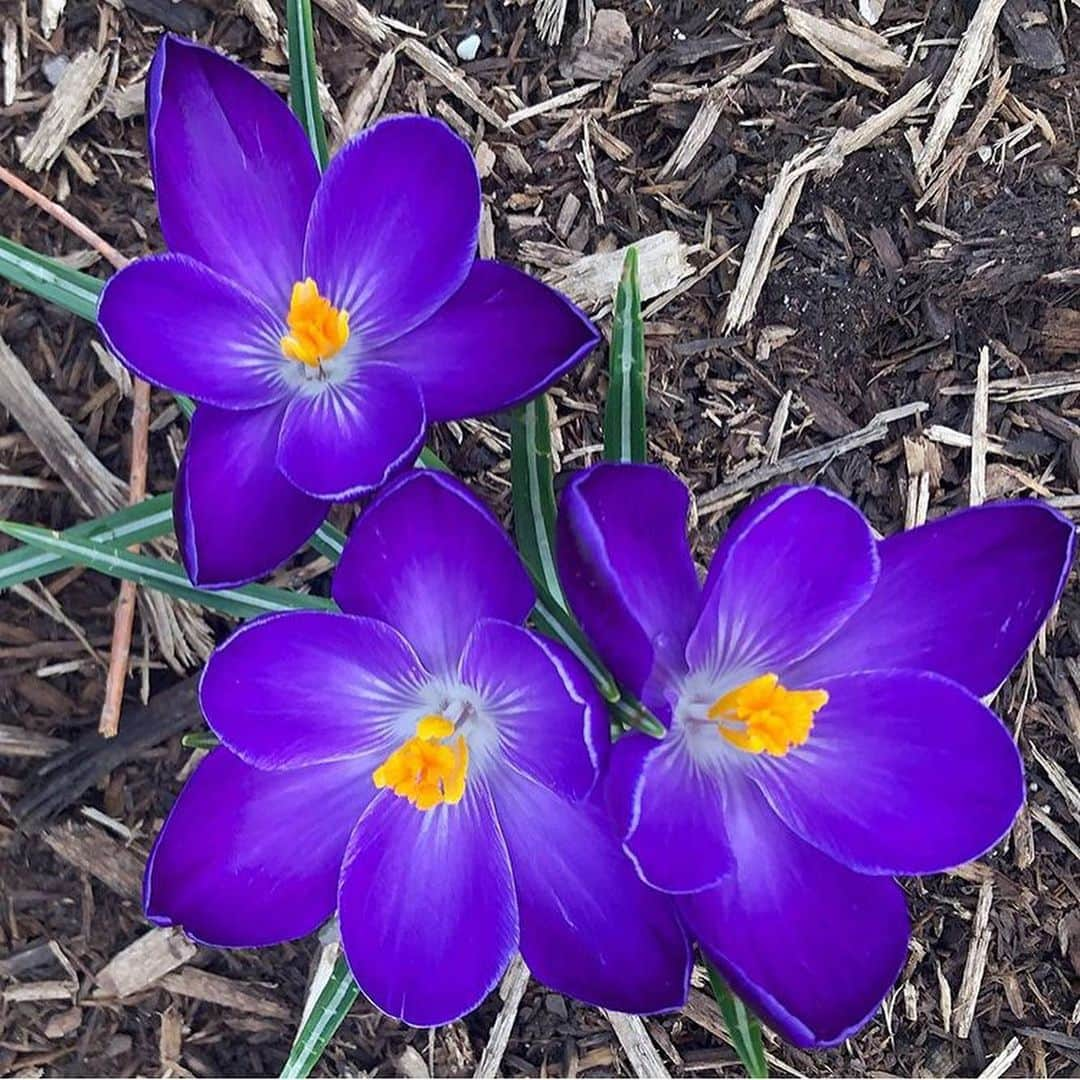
pixel 134 524
pixel 533 494
pixel 200 740
pixel 742 1025
pixel 167 577
pixel 329 1007
pixel 624 412
pixel 304 76
pixel 51 280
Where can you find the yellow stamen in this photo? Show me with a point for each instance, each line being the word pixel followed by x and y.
pixel 425 769
pixel 762 715
pixel 318 330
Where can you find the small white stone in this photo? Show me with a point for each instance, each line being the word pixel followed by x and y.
pixel 468 47
pixel 53 67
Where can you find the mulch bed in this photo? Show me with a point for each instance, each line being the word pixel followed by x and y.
pixel 870 305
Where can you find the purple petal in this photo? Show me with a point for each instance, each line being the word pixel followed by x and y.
pixel 675 802
pixel 552 723
pixel 348 438
pixel 249 857
pixel 626 569
pixel 937 780
pixel 309 687
pixel 430 560
pixel 428 916
pixel 589 927
pixel 394 226
pixel 179 325
pixel 232 168
pixel 963 596
pixel 502 338
pixel 237 518
pixel 811 946
pixel 784 582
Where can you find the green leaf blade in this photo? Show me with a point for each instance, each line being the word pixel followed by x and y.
pixel 325 1014
pixel 304 78
pixel 742 1025
pixel 137 524
pixel 166 577
pixel 624 412
pixel 70 289
pixel 533 494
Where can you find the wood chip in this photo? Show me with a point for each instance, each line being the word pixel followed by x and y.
pixel 261 14
pixel 18 742
pixel 366 103
pixel 9 57
pixel 980 421
pixel 708 115
pixel 968 995
pixel 846 44
pixel 559 101
pixel 956 159
pixel 639 1047
pixel 511 990
pixel 144 962
pixel 357 18
pixel 66 110
pixel 95 489
pixel 954 88
pixel 732 491
pixel 1003 1061
pixel 434 65
pixel 590 280
pixel 550 17
pixel 52 11
pixel 229 993
pixel 94 852
pixel 600 51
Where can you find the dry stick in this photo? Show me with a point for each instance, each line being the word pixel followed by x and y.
pixel 124 615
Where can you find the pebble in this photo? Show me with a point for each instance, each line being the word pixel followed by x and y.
pixel 468 47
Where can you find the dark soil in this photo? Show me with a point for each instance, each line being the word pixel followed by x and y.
pixel 889 307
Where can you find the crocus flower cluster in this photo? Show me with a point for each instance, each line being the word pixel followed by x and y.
pixel 319 322
pixel 821 693
pixel 424 767
pixel 421 764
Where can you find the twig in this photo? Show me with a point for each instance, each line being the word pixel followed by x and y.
pixel 124 615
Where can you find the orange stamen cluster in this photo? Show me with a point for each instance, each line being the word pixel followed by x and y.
pixel 427 770
pixel 317 329
pixel 764 716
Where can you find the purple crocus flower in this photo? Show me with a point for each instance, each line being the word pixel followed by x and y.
pixel 319 322
pixel 421 765
pixel 825 733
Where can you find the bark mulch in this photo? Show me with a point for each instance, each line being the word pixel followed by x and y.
pixel 912 290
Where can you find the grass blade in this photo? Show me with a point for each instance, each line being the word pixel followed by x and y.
pixel 51 280
pixel 624 413
pixel 133 525
pixel 303 76
pixel 533 497
pixel 533 493
pixel 167 577
pixel 742 1025
pixel 332 993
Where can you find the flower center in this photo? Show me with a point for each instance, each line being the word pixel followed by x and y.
pixel 426 769
pixel 317 329
pixel 763 715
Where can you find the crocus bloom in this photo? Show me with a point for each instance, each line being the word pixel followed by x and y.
pixel 821 692
pixel 319 322
pixel 421 765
